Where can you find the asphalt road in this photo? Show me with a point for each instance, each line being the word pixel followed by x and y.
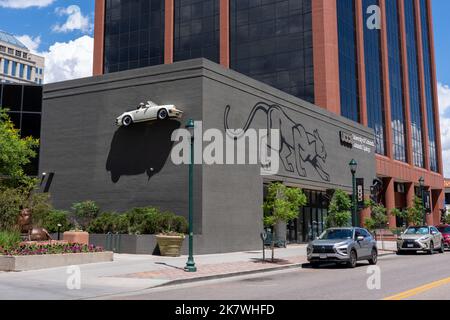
pixel 401 277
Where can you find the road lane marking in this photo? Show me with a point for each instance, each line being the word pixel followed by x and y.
pixel 419 290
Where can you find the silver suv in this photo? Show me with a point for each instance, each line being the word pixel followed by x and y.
pixel 343 245
pixel 421 238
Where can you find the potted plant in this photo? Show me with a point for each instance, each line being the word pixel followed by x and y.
pixel 84 213
pixel 172 234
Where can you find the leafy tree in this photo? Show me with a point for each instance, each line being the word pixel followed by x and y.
pixel 339 211
pixel 282 205
pixel 412 215
pixel 415 213
pixel 378 216
pixel 15 153
pixel 11 202
pixel 446 219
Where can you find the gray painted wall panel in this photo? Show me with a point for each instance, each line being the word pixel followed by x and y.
pixel 81 144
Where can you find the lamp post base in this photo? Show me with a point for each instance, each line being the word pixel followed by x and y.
pixel 190 267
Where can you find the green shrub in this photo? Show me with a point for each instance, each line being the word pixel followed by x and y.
pixel 9 240
pixel 40 206
pixel 84 213
pixel 147 220
pixel 11 202
pixel 55 217
pixel 180 224
pixel 122 225
pixel 104 223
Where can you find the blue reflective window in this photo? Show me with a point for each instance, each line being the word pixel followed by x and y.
pixel 414 88
pixel 271 41
pixel 134 34
pixel 197 30
pixel 348 61
pixel 6 66
pixel 21 70
pixel 29 69
pixel 374 76
pixel 14 69
pixel 428 86
pixel 396 82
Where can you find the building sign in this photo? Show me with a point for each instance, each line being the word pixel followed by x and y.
pixel 427 201
pixel 351 140
pixel 360 192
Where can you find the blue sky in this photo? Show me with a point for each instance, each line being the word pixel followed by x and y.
pixel 62 31
pixel 35 21
pixel 441 22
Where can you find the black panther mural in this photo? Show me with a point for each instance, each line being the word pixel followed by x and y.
pixel 297 146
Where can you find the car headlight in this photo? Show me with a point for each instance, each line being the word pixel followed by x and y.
pixel 342 250
pixel 423 239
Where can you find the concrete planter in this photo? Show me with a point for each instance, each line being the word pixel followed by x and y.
pixel 25 263
pixel 170 246
pixel 76 237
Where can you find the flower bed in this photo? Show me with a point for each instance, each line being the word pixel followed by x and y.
pixel 48 249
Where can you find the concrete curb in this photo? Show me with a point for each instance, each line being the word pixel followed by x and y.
pixel 241 273
pixel 229 275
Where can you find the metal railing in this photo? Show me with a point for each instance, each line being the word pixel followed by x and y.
pixel 113 242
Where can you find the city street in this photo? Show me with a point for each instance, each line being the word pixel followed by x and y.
pixel 402 277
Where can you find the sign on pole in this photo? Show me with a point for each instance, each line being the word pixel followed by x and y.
pixel 360 192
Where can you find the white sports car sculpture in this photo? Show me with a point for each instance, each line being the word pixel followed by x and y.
pixel 147 112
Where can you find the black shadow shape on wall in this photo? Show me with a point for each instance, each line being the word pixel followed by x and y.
pixel 140 148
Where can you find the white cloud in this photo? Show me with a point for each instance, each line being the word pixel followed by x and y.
pixel 23 4
pixel 69 60
pixel 30 42
pixel 444 112
pixel 75 20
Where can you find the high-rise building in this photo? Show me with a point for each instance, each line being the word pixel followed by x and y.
pixel 17 63
pixel 371 61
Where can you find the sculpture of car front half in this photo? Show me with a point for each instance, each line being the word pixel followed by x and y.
pixel 343 245
pixel 147 112
pixel 420 238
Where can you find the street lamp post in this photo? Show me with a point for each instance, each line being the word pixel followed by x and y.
pixel 353 166
pixel 422 195
pixel 190 265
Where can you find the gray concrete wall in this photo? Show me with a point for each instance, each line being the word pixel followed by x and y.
pixel 93 159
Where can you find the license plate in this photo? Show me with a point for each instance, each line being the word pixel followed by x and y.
pixel 323 256
pixel 410 245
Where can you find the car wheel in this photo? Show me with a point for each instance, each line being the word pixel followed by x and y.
pixel 163 114
pixel 353 259
pixel 400 252
pixel 442 248
pixel 126 121
pixel 430 251
pixel 373 261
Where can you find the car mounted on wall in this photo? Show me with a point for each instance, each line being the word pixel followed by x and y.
pixel 148 111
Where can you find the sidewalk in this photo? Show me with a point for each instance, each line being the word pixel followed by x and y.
pixel 171 270
pixel 133 273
